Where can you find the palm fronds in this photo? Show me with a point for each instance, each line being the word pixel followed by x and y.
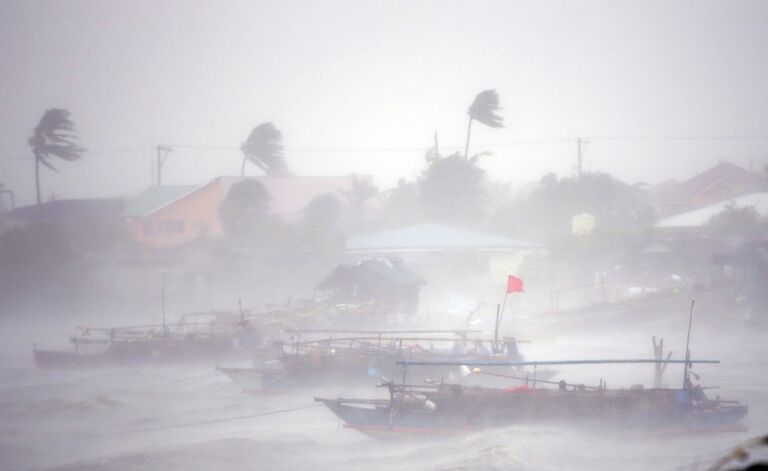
pixel 485 108
pixel 264 148
pixel 54 137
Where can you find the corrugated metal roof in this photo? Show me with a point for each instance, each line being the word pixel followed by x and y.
pixel 432 237
pixel 155 198
pixel 701 216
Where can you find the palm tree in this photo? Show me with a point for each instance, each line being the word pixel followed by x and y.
pixel 359 193
pixel 53 137
pixel 484 109
pixel 264 148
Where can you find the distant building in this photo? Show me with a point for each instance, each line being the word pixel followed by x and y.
pixel 385 282
pixel 698 218
pixel 720 183
pixel 165 216
pixel 452 260
pixel 582 224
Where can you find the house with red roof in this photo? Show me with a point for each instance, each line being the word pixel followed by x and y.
pixel 164 216
pixel 722 182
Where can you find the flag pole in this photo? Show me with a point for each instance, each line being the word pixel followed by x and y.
pixel 503 305
pixel 517 287
pixel 496 330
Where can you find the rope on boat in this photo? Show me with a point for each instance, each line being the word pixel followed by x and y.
pixel 212 421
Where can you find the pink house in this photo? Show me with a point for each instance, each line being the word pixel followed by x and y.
pixel 163 216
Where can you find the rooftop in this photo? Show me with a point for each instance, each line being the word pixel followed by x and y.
pixel 700 217
pixel 425 237
pixel 155 198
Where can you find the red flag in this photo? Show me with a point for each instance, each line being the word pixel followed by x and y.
pixel 514 284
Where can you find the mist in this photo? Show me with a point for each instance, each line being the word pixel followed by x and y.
pixel 224 227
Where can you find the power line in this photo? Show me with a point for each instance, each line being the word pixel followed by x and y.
pixel 341 150
pixel 681 138
pixel 86 152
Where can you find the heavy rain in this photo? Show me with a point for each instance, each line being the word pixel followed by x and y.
pixel 385 235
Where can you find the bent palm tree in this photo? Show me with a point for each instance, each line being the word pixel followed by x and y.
pixel 484 109
pixel 264 148
pixel 53 137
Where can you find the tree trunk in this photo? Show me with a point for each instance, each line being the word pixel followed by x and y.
pixel 242 168
pixel 37 178
pixel 469 130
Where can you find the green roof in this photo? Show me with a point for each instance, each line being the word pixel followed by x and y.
pixel 155 198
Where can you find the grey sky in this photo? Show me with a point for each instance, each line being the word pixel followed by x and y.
pixel 369 74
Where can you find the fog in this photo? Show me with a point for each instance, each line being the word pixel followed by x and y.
pixel 213 214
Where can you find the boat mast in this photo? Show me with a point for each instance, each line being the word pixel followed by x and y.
pixel 686 379
pixel 162 302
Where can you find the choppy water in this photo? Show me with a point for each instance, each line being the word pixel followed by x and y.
pixel 101 419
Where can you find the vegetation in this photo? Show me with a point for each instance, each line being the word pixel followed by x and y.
pixel 548 210
pixel 359 194
pixel 484 110
pixel 264 149
pixel 46 268
pixel 745 220
pixel 453 190
pixel 245 210
pixel 323 211
pixel 53 137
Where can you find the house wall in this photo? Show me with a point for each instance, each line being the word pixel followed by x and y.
pixel 191 217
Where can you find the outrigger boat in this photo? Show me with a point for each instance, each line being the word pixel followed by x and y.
pixel 453 408
pixel 358 356
pixel 195 336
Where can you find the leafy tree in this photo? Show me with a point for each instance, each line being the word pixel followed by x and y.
pixel 743 220
pixel 323 211
pixel 53 137
pixel 359 194
pixel 264 148
pixel 484 109
pixel 549 208
pixel 245 208
pixel 453 189
pixel 402 204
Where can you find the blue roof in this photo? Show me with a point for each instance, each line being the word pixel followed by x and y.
pixel 425 237
pixel 155 198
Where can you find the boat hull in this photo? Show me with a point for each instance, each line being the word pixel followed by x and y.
pixel 467 411
pixel 130 353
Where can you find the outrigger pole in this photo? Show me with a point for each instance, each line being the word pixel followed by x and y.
pixel 550 362
pixel 342 331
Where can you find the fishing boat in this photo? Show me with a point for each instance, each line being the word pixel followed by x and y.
pixel 453 408
pixel 195 336
pixel 358 356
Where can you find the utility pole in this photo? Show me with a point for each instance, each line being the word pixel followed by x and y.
pixel 162 155
pixel 580 154
pixel 437 149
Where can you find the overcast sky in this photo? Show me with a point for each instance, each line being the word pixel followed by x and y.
pixel 369 75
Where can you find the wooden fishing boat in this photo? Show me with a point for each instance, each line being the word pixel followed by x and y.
pixel 454 408
pixel 358 357
pixel 189 339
